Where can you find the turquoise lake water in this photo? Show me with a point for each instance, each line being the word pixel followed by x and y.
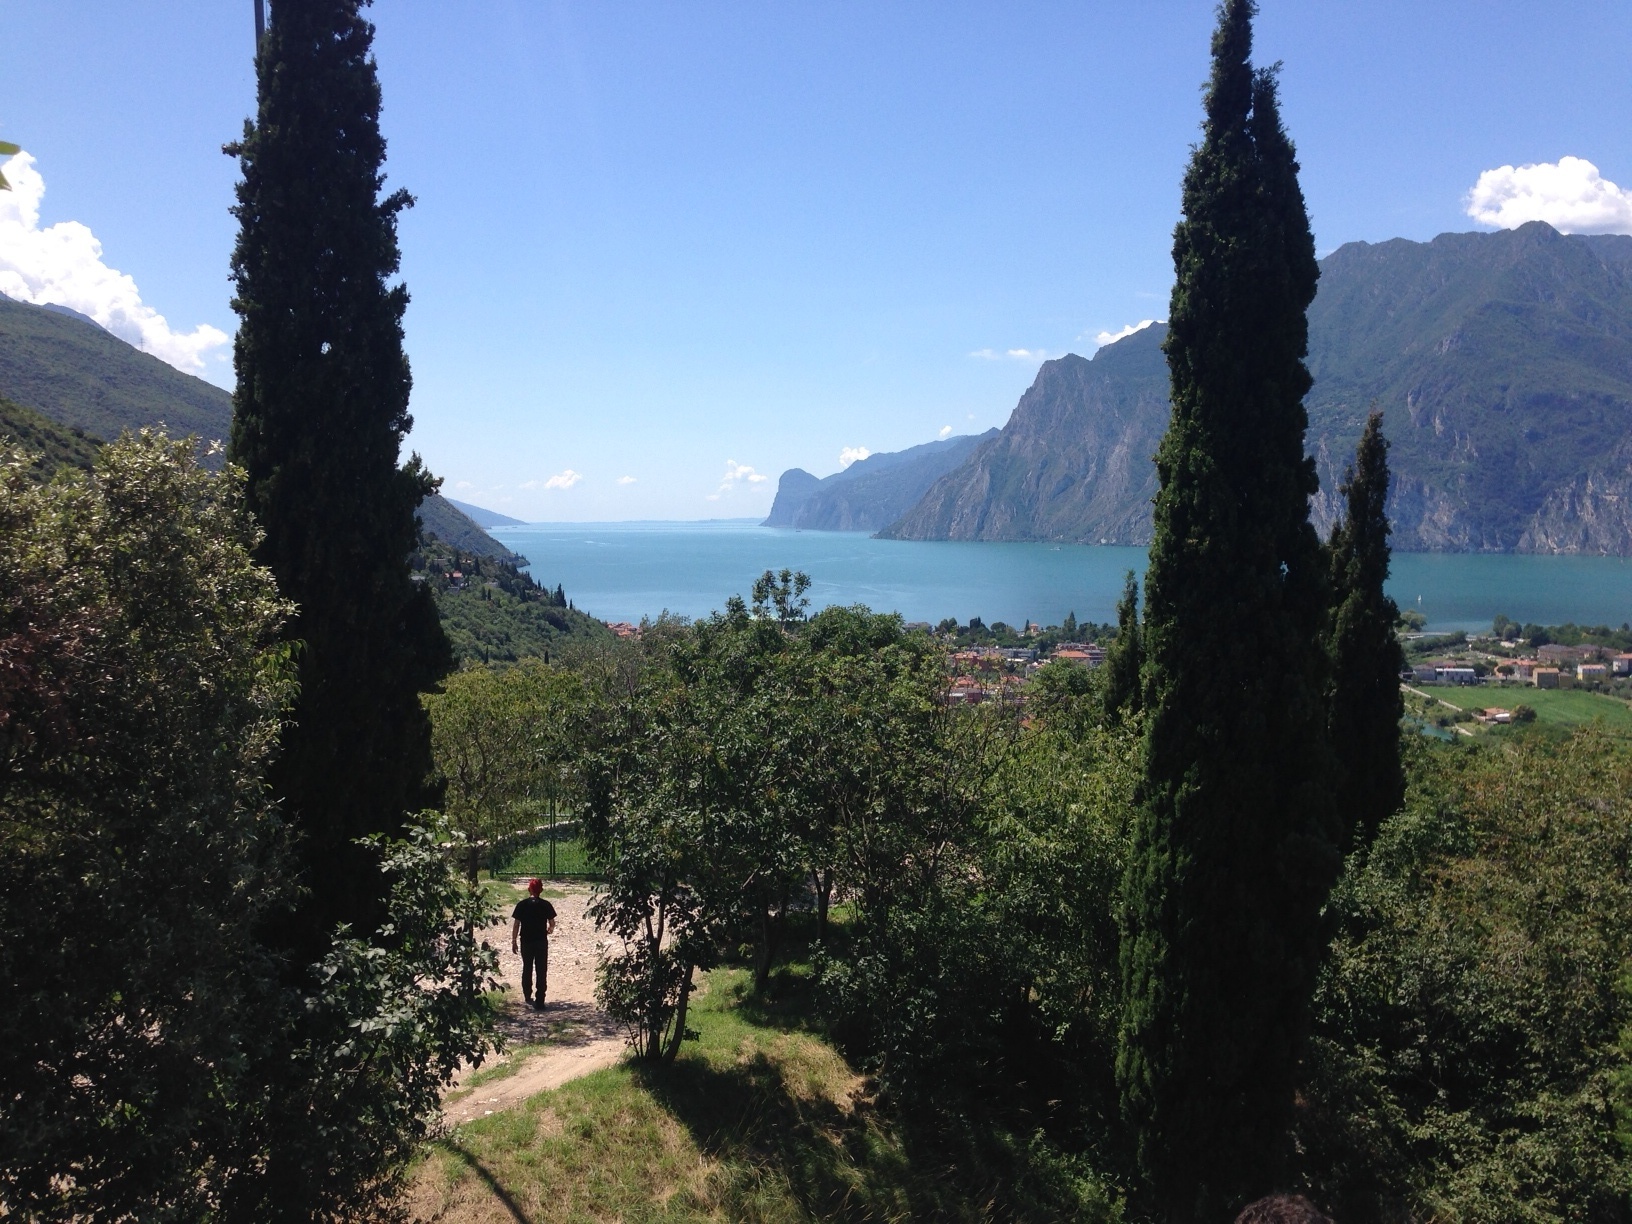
pixel 623 571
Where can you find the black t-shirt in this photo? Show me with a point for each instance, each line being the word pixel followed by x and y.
pixel 534 914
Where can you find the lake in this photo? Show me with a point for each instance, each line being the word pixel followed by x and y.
pixel 623 571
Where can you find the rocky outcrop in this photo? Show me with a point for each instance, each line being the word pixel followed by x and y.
pixel 1072 464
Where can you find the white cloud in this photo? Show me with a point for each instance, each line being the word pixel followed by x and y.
pixel 852 454
pixel 1019 354
pixel 61 265
pixel 563 480
pixel 626 480
pixel 1569 194
pixel 464 484
pixel 946 432
pixel 1106 337
pixel 736 476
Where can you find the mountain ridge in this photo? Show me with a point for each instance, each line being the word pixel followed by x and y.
pixel 1502 362
pixel 65 367
pixel 869 493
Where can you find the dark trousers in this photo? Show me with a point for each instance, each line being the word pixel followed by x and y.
pixel 534 954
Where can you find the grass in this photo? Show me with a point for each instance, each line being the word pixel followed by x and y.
pixel 534 860
pixel 760 1119
pixel 1562 709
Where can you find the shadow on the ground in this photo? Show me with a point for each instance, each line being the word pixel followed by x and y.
pixel 561 1025
pixel 834 1162
pixel 492 1182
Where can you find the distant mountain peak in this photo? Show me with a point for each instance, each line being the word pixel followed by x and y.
pixel 486 518
pixel 1502 362
pixel 869 493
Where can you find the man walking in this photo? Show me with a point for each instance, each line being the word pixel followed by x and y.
pixel 533 922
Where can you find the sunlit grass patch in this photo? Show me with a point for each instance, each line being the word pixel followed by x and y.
pixel 759 1119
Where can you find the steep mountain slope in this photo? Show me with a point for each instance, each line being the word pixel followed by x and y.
pixel 66 368
pixel 870 493
pixel 1503 364
pixel 1073 462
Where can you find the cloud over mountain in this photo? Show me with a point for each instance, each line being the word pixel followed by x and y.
pixel 1110 337
pixel 61 265
pixel 1569 194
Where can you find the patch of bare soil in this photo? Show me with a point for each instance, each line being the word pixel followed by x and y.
pixel 569 1038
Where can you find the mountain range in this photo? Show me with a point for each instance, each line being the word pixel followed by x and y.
pixel 59 365
pixel 870 493
pixel 1502 363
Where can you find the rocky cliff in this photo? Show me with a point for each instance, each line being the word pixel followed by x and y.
pixel 870 493
pixel 1503 364
pixel 1073 462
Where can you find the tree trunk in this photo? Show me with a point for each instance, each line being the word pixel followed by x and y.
pixel 824 894
pixel 771 925
pixel 475 864
pixel 679 1033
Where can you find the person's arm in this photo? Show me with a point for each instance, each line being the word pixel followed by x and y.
pixel 549 925
pixel 515 931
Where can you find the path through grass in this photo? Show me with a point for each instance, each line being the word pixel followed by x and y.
pixel 758 1120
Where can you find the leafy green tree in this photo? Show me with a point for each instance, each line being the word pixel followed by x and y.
pixel 1233 856
pixel 155 1062
pixel 501 739
pixel 1470 1052
pixel 1365 703
pixel 319 416
pixel 1124 661
pixel 7 149
pixel 140 695
pixel 355 1070
pixel 645 764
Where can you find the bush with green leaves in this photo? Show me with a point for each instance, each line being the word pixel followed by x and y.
pixel 1470 1051
pixel 160 1058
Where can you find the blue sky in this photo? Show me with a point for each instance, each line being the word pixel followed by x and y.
pixel 672 242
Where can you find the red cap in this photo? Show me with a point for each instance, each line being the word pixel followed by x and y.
pixel 535 886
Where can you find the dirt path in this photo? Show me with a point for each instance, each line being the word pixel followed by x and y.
pixel 569 1038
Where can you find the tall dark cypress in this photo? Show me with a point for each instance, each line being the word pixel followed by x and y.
pixel 318 420
pixel 1234 848
pixel 1366 705
pixel 1125 659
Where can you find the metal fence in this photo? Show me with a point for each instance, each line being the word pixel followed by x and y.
pixel 554 851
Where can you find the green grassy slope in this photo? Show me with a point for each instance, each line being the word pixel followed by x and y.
pixel 1562 709
pixel 759 1119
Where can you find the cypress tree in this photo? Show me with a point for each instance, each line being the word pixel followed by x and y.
pixel 1125 659
pixel 1233 854
pixel 319 415
pixel 1366 705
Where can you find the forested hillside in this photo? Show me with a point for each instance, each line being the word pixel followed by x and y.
pixel 494 613
pixel 54 445
pixel 1502 363
pixel 72 372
